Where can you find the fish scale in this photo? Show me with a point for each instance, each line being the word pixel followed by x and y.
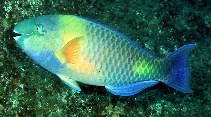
pixel 115 44
pixel 82 50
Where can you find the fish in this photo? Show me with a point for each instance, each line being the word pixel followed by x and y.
pixel 80 50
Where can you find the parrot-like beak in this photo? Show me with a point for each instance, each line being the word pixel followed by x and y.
pixel 16 35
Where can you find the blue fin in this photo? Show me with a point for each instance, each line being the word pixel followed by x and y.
pixel 131 89
pixel 179 69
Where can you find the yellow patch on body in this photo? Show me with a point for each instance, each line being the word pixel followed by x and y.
pixel 71 28
pixel 73 33
pixel 60 56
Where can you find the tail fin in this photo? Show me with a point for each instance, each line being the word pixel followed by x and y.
pixel 179 69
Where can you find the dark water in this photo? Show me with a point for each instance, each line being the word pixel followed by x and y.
pixel 159 26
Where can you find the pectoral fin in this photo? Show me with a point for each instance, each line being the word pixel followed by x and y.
pixel 70 54
pixel 71 83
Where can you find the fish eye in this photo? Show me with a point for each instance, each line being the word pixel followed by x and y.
pixel 39 28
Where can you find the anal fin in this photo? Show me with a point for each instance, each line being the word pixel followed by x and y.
pixel 131 89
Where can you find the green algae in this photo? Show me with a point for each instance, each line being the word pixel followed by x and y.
pixel 26 89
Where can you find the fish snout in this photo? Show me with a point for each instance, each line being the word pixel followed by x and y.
pixel 16 35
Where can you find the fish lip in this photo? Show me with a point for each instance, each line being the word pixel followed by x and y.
pixel 17 38
pixel 18 35
pixel 15 31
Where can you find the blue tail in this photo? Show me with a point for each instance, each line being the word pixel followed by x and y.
pixel 178 77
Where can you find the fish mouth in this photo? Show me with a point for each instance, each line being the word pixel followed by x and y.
pixel 16 35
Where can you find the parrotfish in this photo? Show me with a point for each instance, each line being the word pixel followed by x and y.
pixel 78 49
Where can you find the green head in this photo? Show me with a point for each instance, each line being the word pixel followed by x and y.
pixel 38 36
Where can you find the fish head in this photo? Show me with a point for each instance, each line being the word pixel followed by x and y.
pixel 38 37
